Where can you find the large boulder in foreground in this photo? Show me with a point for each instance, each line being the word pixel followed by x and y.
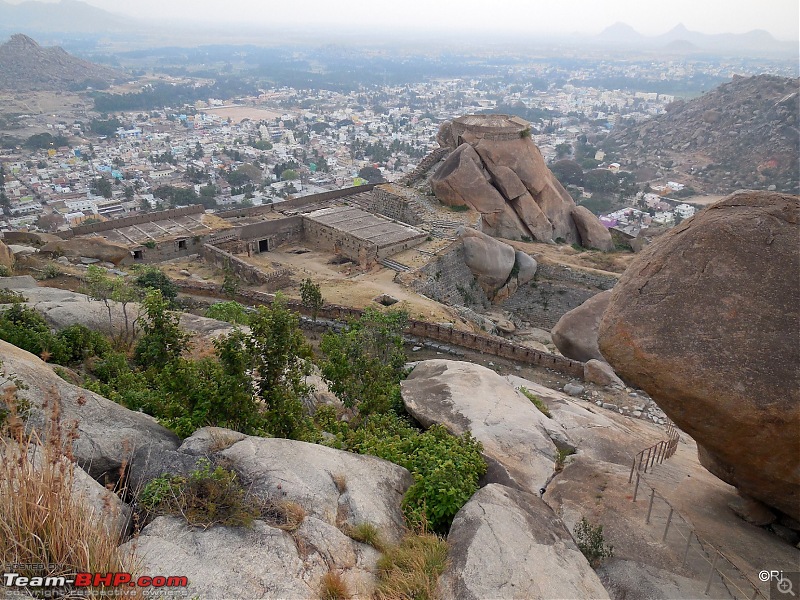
pixel 108 434
pixel 575 334
pixel 707 321
pixel 468 397
pixel 505 543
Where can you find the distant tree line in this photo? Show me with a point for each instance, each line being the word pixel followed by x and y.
pixel 160 95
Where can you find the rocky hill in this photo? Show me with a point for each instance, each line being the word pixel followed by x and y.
pixel 27 66
pixel 743 134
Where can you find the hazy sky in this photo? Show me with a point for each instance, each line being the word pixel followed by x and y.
pixel 779 17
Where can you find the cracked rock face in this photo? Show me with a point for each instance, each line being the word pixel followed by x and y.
pixel 707 321
pixel 496 169
pixel 505 543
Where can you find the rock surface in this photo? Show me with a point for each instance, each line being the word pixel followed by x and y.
pixel 575 334
pixel 496 169
pixel 369 489
pixel 706 321
pixel 505 543
pixel 468 397
pixel 90 247
pixel 257 562
pixel 592 232
pixel 6 256
pixel 601 373
pixel 490 260
pixel 109 433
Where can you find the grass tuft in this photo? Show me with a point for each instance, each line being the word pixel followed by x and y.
pixel 412 568
pixel 333 587
pixel 366 533
pixel 537 402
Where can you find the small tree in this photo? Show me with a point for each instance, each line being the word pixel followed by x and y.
pixel 591 542
pixel 279 354
pixel 153 278
pixel 230 283
pixel 364 363
pixel 162 339
pixel 98 285
pixel 311 297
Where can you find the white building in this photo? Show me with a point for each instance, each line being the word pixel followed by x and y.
pixel 684 211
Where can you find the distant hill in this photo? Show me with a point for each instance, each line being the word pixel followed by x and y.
pixel 743 134
pixel 756 41
pixel 25 66
pixel 65 16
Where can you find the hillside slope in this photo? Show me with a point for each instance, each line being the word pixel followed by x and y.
pixel 743 134
pixel 26 66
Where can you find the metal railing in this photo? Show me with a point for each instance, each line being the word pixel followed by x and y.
pixel 706 560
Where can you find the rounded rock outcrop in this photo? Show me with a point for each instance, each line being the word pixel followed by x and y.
pixel 496 169
pixel 575 334
pixel 707 321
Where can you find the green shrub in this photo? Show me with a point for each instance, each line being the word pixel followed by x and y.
pixel 81 343
pixel 459 208
pixel 364 364
pixel 5 271
pixel 446 468
pixel 231 312
pixel 152 278
pixel 11 297
pixel 50 271
pixel 205 498
pixel 591 542
pixel 25 328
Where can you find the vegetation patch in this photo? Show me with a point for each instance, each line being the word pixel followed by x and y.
pixel 205 498
pixel 591 542
pixel 537 402
pixel 42 521
pixel 412 568
pixel 332 586
pixel 366 533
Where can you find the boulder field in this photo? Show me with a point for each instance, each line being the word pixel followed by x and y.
pixel 496 169
pixel 707 321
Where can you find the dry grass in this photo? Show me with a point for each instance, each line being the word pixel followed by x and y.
pixel 411 569
pixel 340 481
pixel 222 440
pixel 42 522
pixel 284 515
pixel 366 533
pixel 333 587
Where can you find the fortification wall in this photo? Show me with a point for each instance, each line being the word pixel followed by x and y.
pixel 447 335
pixel 555 290
pixel 447 279
pixel 138 219
pixel 224 260
pixel 390 205
pixel 424 166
